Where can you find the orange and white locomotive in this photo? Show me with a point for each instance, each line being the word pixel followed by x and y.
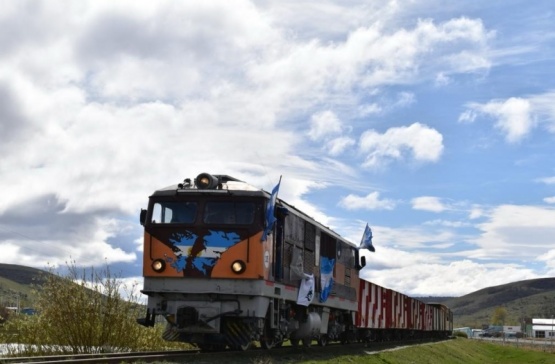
pixel 227 264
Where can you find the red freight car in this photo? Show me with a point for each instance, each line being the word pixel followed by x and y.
pixel 384 314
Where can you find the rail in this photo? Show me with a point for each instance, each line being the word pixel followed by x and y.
pixel 147 356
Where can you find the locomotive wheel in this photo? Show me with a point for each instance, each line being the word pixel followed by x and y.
pixel 323 340
pixel 307 342
pixel 243 347
pixel 269 340
pixel 294 342
pixel 268 343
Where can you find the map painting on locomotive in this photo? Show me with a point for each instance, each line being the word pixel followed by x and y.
pixel 196 255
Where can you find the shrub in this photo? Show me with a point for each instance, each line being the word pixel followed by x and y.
pixel 83 313
pixel 4 314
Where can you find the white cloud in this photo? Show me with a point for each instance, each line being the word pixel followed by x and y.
pixel 515 229
pixel 475 213
pixel 549 260
pixel 413 238
pixel 368 109
pixel 405 99
pixel 421 273
pixel 547 180
pixel 371 201
pixel 324 124
pixel 338 145
pixel 549 199
pixel 325 127
pixel 428 203
pixel 516 117
pixel 442 80
pixel 468 116
pixel 447 223
pixel 544 106
pixel 420 142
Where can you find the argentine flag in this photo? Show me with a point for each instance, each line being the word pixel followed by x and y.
pixel 326 277
pixel 270 217
pixel 366 241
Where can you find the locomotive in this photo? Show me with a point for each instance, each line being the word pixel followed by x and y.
pixel 227 264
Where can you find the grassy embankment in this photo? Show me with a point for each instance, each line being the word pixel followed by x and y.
pixel 463 351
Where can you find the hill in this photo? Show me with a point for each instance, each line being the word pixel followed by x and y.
pixel 16 284
pixel 434 299
pixel 534 298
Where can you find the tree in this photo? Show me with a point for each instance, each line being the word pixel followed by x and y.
pixel 499 316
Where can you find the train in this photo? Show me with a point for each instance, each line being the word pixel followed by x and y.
pixel 227 264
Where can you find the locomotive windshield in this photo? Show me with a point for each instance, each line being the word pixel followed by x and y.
pixel 225 212
pixel 210 212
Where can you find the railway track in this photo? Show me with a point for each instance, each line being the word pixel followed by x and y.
pixel 147 357
pixel 231 357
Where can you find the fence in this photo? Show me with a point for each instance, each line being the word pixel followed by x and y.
pixel 545 345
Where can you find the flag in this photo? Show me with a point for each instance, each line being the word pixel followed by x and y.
pixel 306 290
pixel 366 241
pixel 270 217
pixel 326 277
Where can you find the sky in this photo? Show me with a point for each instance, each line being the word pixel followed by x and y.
pixel 432 121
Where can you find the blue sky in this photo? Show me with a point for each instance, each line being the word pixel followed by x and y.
pixel 432 121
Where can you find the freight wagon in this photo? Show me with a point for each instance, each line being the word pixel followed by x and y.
pixel 384 314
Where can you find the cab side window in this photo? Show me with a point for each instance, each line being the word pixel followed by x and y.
pixel 174 212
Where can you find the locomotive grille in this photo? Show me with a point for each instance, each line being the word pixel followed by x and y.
pixel 187 316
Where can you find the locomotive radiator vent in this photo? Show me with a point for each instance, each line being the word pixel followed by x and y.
pixel 187 316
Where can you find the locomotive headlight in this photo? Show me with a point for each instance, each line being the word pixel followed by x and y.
pixel 238 266
pixel 206 181
pixel 158 265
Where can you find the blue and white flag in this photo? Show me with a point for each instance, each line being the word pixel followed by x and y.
pixel 306 290
pixel 270 217
pixel 326 277
pixel 366 241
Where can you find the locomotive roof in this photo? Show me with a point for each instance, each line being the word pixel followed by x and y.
pixel 228 185
pixel 232 186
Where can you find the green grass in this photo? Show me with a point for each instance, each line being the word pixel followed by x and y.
pixel 463 351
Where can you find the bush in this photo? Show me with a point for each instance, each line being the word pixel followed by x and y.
pixel 83 313
pixel 460 334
